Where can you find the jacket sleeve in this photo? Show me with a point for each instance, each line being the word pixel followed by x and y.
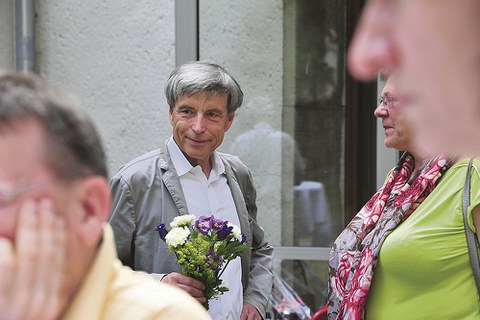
pixel 123 220
pixel 260 280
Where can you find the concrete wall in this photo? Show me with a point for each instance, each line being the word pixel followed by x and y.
pixel 7 35
pixel 115 55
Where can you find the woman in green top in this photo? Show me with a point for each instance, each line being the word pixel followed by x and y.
pixel 385 266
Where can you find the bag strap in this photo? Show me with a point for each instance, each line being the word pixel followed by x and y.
pixel 471 237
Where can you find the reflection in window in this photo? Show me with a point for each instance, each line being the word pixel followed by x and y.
pixel 318 89
pixel 306 284
pixel 289 58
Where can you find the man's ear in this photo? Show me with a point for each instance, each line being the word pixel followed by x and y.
pixel 96 204
pixel 230 118
pixel 170 115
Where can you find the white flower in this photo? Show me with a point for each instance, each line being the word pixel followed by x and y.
pixel 177 236
pixel 182 221
pixel 237 233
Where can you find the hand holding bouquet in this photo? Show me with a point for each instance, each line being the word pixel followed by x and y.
pixel 203 247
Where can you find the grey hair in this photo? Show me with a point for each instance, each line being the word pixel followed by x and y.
pixel 201 76
pixel 73 146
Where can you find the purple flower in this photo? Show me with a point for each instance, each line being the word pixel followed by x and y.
pixel 162 231
pixel 213 260
pixel 202 224
pixel 205 224
pixel 244 239
pixel 224 232
pixel 217 224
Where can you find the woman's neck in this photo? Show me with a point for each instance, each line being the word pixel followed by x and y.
pixel 420 160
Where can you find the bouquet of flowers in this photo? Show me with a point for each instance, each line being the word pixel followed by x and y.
pixel 203 247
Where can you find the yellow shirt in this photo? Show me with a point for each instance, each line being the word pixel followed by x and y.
pixel 113 291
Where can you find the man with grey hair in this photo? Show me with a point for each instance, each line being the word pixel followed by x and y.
pixel 188 176
pixel 57 254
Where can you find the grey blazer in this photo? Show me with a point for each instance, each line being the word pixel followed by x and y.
pixel 147 191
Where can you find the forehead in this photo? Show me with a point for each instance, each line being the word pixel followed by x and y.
pixel 430 8
pixel 389 86
pixel 204 98
pixel 22 152
pixel 436 22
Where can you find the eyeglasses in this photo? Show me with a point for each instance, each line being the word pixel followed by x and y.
pixel 387 102
pixel 8 196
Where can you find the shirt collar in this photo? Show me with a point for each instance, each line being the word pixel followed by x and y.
pixel 181 164
pixel 88 300
pixel 218 167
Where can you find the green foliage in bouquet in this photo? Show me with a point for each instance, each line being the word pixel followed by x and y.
pixel 204 247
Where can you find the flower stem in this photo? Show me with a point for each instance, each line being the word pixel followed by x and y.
pixel 225 267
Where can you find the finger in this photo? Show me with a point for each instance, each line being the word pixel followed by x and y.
pixel 194 292
pixel 184 283
pixel 7 265
pixel 201 300
pixel 191 282
pixel 56 301
pixel 249 312
pixel 45 256
pixel 46 275
pixel 27 257
pixel 247 316
pixel 244 315
pixel 179 279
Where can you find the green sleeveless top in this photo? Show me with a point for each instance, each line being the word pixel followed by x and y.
pixel 423 269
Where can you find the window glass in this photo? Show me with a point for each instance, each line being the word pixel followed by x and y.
pixel 289 58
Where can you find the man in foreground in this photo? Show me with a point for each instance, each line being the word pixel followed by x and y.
pixel 57 256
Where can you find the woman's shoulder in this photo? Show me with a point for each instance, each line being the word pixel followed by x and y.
pixel 462 165
pixel 456 175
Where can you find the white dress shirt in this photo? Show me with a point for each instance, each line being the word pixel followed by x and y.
pixel 206 197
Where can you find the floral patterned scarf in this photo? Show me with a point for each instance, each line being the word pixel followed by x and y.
pixel 354 254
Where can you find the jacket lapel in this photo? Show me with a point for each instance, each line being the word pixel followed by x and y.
pixel 242 212
pixel 172 182
pixel 239 201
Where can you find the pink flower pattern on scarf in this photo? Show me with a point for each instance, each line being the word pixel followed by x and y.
pixel 354 254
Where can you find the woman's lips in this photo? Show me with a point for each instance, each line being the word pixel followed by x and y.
pixel 387 129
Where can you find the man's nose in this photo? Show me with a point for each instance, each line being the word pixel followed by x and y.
pixel 199 123
pixel 372 46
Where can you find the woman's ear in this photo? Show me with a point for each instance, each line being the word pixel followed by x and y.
pixel 95 200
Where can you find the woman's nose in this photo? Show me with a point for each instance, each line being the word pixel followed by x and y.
pixel 372 46
pixel 380 111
